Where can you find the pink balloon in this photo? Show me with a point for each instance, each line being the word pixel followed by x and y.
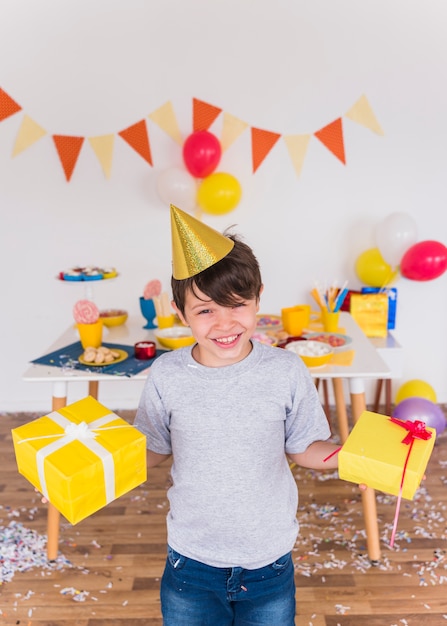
pixel 425 260
pixel 201 153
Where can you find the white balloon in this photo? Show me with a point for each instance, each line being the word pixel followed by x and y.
pixel 394 236
pixel 176 186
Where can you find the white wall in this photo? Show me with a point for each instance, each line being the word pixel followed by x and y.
pixel 95 67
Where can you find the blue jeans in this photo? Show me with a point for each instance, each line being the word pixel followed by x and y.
pixel 195 594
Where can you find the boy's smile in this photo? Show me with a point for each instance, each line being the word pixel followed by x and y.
pixel 222 332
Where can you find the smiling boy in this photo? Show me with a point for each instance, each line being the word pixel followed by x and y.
pixel 232 412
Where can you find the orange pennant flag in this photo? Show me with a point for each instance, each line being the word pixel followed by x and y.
pixel 68 149
pixel 7 105
pixel 331 136
pixel 137 137
pixel 262 141
pixel 203 114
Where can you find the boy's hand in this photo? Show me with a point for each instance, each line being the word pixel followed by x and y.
pixel 42 499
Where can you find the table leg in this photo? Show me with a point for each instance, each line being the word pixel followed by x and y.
pixel 93 388
pixel 53 516
pixel 340 405
pixel 358 405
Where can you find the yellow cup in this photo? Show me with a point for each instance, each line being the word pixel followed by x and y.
pixel 90 335
pixel 330 320
pixel 295 318
pixel 165 321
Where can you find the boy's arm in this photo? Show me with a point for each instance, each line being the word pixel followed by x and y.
pixel 154 458
pixel 314 455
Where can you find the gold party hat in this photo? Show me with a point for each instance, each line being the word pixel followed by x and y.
pixel 195 246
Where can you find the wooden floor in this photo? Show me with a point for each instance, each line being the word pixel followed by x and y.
pixel 109 567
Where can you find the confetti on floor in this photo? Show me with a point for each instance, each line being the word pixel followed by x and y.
pixel 22 549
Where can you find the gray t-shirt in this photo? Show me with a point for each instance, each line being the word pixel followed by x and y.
pixel 233 500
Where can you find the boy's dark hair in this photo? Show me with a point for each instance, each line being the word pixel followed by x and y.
pixel 234 278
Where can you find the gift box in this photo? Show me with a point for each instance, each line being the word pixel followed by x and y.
pixel 370 311
pixel 81 457
pixel 381 452
pixel 391 292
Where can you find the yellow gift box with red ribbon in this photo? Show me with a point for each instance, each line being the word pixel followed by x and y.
pixel 81 457
pixel 387 454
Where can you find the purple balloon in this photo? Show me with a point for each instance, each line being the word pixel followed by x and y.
pixel 421 409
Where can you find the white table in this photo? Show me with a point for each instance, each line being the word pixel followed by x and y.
pixel 366 364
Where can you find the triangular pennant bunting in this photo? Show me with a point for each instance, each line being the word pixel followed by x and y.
pixel 8 106
pixel 232 127
pixel 165 118
pixel 103 148
pixel 362 113
pixel 297 147
pixel 68 149
pixel 331 136
pixel 203 114
pixel 29 133
pixel 137 137
pixel 262 141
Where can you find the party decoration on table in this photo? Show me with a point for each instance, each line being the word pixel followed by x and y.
pixel 137 136
pixel 370 311
pixel 415 388
pixel 88 323
pixel 391 293
pixel 177 186
pixel 219 193
pixel 395 234
pixel 330 299
pixel 163 311
pixel 67 359
pixel 81 457
pixel 85 312
pixel 388 454
pixel 415 409
pixel 89 272
pixel 195 246
pixel 425 260
pixel 372 269
pixel 147 305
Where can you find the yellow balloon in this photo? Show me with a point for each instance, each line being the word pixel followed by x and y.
pixel 219 193
pixel 415 389
pixel 373 270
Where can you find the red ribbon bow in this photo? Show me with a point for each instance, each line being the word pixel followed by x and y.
pixel 416 430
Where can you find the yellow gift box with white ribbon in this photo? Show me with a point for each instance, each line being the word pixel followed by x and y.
pixel 386 454
pixel 81 457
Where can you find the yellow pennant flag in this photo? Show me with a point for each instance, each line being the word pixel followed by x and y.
pixel 102 146
pixel 29 133
pixel 165 118
pixel 232 127
pixel 362 113
pixel 297 147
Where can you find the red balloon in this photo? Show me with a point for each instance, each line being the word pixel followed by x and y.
pixel 201 153
pixel 425 260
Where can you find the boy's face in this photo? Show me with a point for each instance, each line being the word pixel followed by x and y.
pixel 222 333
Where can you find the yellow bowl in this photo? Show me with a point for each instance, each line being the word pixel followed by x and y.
pixel 313 353
pixel 113 317
pixel 174 337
